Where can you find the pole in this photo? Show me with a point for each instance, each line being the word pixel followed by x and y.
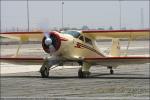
pixel 28 16
pixel 142 19
pixel 120 9
pixel 62 16
pixel 0 20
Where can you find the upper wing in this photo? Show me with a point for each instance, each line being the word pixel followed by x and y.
pixel 115 61
pixel 105 34
pixel 23 36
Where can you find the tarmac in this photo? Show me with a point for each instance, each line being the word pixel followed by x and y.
pixel 24 81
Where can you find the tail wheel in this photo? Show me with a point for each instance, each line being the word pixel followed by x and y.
pixel 111 71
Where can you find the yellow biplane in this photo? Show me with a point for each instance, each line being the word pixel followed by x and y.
pixel 80 47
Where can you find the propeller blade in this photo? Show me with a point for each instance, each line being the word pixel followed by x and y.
pixel 48 40
pixel 46 34
pixel 44 25
pixel 52 49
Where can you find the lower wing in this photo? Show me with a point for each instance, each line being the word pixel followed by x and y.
pixel 116 61
pixel 22 59
pixel 105 61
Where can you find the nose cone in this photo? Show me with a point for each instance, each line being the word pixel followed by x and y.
pixel 48 41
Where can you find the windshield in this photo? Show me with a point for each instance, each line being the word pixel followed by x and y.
pixel 73 33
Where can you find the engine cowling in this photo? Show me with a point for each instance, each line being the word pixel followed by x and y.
pixel 56 42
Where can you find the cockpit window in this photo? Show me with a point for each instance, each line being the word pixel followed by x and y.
pixel 73 33
pixel 88 41
pixel 81 38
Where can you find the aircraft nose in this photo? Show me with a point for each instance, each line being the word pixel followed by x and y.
pixel 51 42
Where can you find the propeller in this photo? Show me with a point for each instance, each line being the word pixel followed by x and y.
pixel 49 42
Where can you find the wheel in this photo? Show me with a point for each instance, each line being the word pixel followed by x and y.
pixel 45 69
pixel 82 74
pixel 45 73
pixel 111 71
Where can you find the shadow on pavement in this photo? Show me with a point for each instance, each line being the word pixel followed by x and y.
pixel 93 76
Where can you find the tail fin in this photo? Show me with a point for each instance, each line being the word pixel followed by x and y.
pixel 115 49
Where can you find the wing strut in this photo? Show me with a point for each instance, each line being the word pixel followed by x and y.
pixel 129 42
pixel 115 49
pixel 19 46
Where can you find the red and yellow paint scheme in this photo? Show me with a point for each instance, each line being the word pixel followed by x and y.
pixel 80 47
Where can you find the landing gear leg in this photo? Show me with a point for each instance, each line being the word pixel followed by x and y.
pixel 83 72
pixel 111 70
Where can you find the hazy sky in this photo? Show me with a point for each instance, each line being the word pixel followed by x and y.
pixel 76 14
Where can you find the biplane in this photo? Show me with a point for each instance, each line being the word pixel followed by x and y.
pixel 80 47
